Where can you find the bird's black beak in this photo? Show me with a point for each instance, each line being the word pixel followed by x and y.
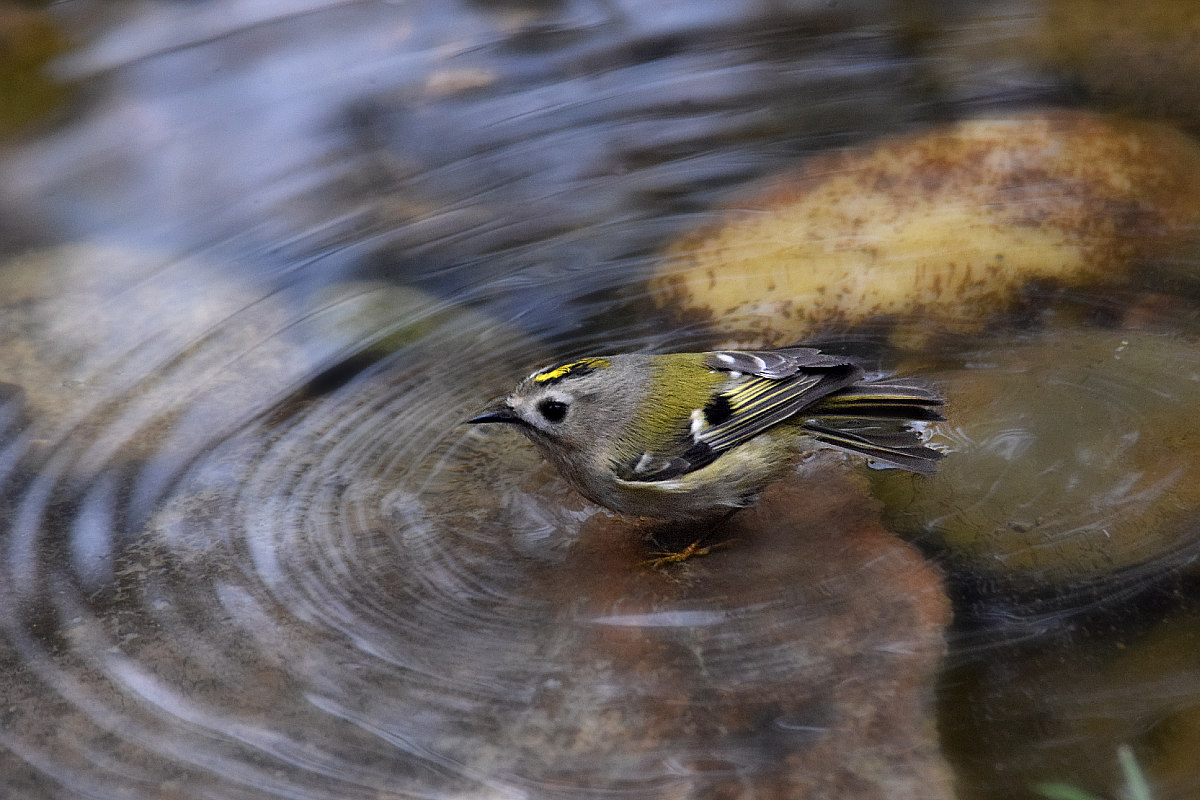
pixel 499 413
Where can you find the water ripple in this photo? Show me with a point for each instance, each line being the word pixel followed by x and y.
pixel 351 593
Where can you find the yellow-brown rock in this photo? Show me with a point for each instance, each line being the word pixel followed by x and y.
pixel 942 230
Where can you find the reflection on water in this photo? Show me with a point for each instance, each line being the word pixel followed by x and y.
pixel 275 253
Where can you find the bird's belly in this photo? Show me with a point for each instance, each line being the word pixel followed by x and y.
pixel 732 481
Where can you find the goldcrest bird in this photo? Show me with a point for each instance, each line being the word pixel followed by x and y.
pixel 685 436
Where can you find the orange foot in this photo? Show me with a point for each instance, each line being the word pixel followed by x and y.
pixel 694 549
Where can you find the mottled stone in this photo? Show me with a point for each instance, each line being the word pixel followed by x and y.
pixel 942 230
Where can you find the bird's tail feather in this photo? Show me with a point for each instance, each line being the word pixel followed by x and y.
pixel 872 419
pixel 909 455
pixel 892 400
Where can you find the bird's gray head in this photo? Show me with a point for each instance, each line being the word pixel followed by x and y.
pixel 573 406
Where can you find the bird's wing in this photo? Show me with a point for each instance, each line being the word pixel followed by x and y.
pixel 765 387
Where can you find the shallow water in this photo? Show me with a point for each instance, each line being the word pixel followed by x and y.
pixel 273 254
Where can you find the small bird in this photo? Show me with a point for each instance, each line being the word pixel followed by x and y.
pixel 688 436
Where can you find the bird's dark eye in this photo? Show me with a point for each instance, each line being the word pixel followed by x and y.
pixel 552 410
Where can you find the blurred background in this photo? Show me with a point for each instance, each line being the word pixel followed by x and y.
pixel 260 258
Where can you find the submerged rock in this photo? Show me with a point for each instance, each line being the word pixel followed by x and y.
pixel 796 660
pixel 1073 458
pixel 505 631
pixel 1055 710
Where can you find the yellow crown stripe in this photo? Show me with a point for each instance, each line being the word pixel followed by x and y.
pixel 583 365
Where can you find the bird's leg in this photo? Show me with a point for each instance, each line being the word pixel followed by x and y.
pixel 697 548
pixel 663 558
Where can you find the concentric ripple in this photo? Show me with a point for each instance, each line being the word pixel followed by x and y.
pixel 274 562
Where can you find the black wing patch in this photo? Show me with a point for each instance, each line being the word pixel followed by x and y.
pixel 718 410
